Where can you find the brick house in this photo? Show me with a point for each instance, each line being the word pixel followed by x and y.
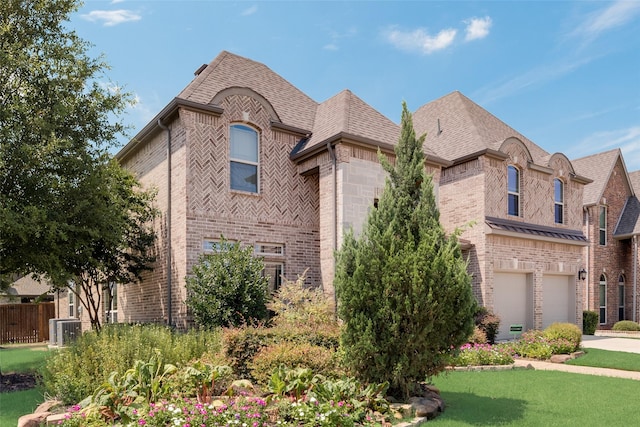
pixel 611 212
pixel 241 152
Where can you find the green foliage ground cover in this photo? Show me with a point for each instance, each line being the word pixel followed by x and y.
pixel 534 398
pixel 608 359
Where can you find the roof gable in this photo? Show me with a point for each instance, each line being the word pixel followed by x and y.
pixel 227 70
pixel 457 127
pixel 599 168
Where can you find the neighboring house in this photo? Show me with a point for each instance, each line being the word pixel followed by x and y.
pixel 241 152
pixel 611 212
pixel 26 290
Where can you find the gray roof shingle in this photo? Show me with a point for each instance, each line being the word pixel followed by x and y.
pixel 598 167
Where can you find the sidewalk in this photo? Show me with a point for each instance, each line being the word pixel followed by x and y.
pixel 603 372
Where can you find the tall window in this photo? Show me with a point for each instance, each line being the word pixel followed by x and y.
pixel 273 256
pixel 72 303
pixel 513 190
pixel 558 197
pixel 243 142
pixel 603 225
pixel 110 303
pixel 621 297
pixel 603 299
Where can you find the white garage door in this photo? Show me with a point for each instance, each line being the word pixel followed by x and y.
pixel 512 301
pixel 558 300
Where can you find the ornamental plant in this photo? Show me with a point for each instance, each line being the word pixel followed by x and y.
pixel 403 289
pixel 626 325
pixel 227 288
pixel 483 354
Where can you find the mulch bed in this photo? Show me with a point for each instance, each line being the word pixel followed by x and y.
pixel 17 382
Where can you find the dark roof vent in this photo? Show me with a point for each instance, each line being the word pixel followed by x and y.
pixel 199 70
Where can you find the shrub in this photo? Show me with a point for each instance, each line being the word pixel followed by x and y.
pixel 565 337
pixel 242 344
pixel 227 288
pixel 404 291
pixel 483 354
pixel 478 336
pixel 75 372
pixel 292 355
pixel 589 322
pixel 626 325
pixel 295 304
pixel 532 344
pixel 488 322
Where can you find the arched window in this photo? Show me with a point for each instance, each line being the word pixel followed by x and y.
pixel 513 190
pixel 558 200
pixel 243 142
pixel 621 297
pixel 602 297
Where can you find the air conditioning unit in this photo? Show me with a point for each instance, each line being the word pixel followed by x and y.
pixel 67 331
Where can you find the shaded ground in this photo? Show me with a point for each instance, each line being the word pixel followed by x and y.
pixel 17 382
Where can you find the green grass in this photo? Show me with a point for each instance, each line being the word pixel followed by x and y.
pixel 18 403
pixel 535 398
pixel 22 359
pixel 608 359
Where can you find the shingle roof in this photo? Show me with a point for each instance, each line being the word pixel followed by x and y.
pixel 27 286
pixel 628 223
pixel 598 167
pixel 634 177
pixel 535 230
pixel 227 70
pixel 457 127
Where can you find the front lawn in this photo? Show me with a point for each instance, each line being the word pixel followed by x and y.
pixel 535 398
pixel 608 359
pixel 20 359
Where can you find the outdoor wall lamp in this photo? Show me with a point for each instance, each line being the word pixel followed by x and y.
pixel 582 274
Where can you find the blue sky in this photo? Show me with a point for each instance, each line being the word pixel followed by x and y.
pixel 566 74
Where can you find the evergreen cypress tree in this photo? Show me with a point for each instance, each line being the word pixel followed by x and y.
pixel 403 289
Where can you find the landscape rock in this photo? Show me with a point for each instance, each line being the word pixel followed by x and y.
pixel 425 407
pixel 560 358
pixel 33 420
pixel 47 406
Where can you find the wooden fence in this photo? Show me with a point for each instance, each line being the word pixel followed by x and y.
pixel 25 323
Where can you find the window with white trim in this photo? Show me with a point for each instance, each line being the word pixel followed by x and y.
pixel 602 298
pixel 513 190
pixel 273 258
pixel 621 297
pixel 603 225
pixel 216 245
pixel 110 303
pixel 71 298
pixel 243 142
pixel 558 201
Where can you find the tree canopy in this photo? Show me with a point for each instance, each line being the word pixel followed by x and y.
pixel 403 290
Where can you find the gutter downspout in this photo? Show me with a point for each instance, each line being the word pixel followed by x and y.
pixel 635 277
pixel 169 247
pixel 334 225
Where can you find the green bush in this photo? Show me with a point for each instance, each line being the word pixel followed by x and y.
pixel 532 344
pixel 227 288
pixel 558 333
pixel 75 372
pixel 483 354
pixel 478 336
pixel 626 325
pixel 292 355
pixel 589 322
pixel 242 344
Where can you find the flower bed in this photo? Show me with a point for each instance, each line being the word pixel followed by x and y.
pixel 483 354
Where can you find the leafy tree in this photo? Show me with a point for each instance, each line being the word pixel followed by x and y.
pixel 56 121
pixel 403 290
pixel 110 221
pixel 227 288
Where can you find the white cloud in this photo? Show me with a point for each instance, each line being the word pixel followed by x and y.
pixel 337 36
pixel 420 40
pixel 116 1
pixel 615 15
pixel 627 139
pixel 477 28
pixel 109 18
pixel 249 11
pixel 330 46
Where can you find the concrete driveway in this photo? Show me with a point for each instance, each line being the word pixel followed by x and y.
pixel 629 345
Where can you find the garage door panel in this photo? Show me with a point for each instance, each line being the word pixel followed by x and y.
pixel 558 300
pixel 511 301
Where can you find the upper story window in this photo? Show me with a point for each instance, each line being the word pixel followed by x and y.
pixel 558 198
pixel 603 225
pixel 513 187
pixel 243 142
